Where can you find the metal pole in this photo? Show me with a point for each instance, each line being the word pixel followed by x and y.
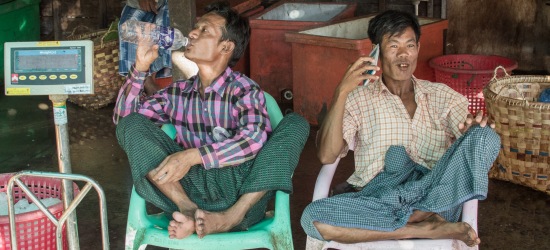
pixel 64 160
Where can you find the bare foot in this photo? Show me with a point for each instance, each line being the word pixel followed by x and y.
pixel 210 222
pixel 435 218
pixel 446 230
pixel 181 226
pixel 420 216
pixel 468 235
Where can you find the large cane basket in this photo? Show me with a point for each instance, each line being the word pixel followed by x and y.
pixel 523 124
pixel 107 80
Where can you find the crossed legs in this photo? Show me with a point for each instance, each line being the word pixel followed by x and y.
pixel 421 224
pixel 190 218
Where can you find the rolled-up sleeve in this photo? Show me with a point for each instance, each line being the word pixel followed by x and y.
pixel 129 103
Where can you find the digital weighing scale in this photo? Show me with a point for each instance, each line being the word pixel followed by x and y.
pixel 57 69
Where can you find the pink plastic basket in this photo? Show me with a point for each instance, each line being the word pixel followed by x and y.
pixel 33 229
pixel 468 74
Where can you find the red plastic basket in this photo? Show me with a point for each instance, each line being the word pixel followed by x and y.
pixel 33 229
pixel 468 74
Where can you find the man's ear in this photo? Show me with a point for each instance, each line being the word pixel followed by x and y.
pixel 228 47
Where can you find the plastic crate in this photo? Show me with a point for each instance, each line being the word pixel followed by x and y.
pixel 19 21
pixel 33 229
pixel 468 74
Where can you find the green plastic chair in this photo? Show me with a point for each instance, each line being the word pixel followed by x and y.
pixel 273 232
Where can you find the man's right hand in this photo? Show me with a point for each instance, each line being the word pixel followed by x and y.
pixel 175 166
pixel 355 74
pixel 146 55
pixel 148 5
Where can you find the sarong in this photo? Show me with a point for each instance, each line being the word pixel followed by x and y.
pixel 389 199
pixel 146 146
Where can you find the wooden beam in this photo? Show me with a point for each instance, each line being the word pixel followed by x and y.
pixel 102 15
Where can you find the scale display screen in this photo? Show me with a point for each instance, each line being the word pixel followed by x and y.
pixel 38 60
pixel 46 68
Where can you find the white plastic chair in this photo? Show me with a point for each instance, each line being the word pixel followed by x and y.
pixel 322 188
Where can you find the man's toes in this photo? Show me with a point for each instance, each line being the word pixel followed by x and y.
pixel 199 214
pixel 179 217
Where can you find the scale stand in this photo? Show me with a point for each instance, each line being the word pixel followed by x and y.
pixel 64 159
pixel 57 69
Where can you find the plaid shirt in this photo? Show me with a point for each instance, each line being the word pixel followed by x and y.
pixel 228 127
pixel 375 119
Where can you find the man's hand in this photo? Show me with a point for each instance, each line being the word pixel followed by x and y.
pixel 355 74
pixel 480 119
pixel 176 166
pixel 146 54
pixel 148 5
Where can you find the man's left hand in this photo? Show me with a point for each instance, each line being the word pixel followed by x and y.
pixel 480 119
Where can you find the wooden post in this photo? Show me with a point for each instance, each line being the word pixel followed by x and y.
pixel 381 6
pixel 102 14
pixel 57 31
pixel 182 16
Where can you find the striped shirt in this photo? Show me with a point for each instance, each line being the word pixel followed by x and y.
pixel 228 127
pixel 375 119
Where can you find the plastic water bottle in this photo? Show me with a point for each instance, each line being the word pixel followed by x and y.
pixel 168 38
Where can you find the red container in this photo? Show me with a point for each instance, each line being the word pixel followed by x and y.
pixel 33 229
pixel 321 56
pixel 468 74
pixel 270 55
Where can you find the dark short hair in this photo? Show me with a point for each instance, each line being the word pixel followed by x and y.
pixel 392 22
pixel 237 29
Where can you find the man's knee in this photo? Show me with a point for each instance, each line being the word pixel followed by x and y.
pixel 293 122
pixel 485 134
pixel 129 121
pixel 309 221
pixel 128 124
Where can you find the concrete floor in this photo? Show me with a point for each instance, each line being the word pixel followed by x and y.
pixel 512 217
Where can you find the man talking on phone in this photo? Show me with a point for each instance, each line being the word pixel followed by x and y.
pixel 419 154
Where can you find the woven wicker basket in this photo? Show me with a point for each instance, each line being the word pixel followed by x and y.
pixel 107 81
pixel 523 124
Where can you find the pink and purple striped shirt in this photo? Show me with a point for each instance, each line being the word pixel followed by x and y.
pixel 228 127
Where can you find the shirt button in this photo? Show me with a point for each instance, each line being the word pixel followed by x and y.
pixel 205 109
pixel 210 133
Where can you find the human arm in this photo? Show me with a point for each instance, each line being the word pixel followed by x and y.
pixel 330 141
pixel 175 166
pixel 128 100
pixel 252 126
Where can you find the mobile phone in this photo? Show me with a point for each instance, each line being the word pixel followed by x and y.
pixel 374 54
